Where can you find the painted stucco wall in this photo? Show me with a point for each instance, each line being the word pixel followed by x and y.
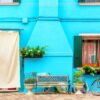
pixel 51 23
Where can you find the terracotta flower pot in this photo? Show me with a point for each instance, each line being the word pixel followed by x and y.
pixel 29 87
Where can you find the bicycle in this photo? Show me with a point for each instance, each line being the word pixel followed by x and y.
pixel 95 87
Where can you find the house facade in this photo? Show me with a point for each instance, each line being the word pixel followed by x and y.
pixel 54 24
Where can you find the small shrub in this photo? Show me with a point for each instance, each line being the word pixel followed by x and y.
pixel 34 52
pixel 30 81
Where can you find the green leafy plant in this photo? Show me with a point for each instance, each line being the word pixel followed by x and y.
pixel 97 70
pixel 89 70
pixel 39 51
pixel 16 0
pixel 30 81
pixel 77 76
pixel 34 52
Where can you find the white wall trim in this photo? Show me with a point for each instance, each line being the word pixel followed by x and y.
pixel 89 34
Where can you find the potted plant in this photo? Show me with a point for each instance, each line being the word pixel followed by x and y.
pixel 29 83
pixel 39 52
pixel 97 70
pixel 89 70
pixel 78 82
pixel 23 52
pixel 32 52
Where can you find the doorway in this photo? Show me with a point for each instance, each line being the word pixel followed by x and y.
pixel 9 61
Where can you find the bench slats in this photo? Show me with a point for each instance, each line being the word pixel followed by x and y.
pixel 52 79
pixel 51 84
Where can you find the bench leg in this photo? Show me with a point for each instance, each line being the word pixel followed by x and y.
pixel 36 88
pixel 68 89
pixel 46 89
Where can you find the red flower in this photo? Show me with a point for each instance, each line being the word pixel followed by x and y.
pixel 91 65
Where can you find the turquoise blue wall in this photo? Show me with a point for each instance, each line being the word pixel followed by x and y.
pixel 71 9
pixel 51 23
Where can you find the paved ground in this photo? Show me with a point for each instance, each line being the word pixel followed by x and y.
pixel 18 96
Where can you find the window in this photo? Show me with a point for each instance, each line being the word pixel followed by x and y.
pixel 9 2
pixel 89 2
pixel 86 50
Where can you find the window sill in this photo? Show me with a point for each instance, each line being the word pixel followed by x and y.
pixel 11 4
pixel 90 4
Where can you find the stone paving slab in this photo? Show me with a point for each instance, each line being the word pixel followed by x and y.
pixel 21 96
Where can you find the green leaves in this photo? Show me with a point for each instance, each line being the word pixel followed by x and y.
pixel 34 52
pixel 30 81
pixel 77 76
pixel 89 70
pixel 16 0
pixel 78 73
pixel 39 51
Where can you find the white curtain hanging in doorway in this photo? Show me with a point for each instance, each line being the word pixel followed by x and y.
pixel 9 60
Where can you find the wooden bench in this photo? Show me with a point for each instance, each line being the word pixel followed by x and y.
pixel 53 81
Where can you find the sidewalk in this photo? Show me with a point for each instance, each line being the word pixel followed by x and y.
pixel 20 96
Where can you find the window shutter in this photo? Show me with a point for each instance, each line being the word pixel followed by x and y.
pixel 81 1
pixel 16 0
pixel 77 51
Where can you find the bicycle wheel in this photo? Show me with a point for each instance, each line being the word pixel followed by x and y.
pixel 95 87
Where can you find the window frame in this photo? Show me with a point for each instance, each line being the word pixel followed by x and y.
pixel 15 2
pixel 94 35
pixel 78 55
pixel 82 3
